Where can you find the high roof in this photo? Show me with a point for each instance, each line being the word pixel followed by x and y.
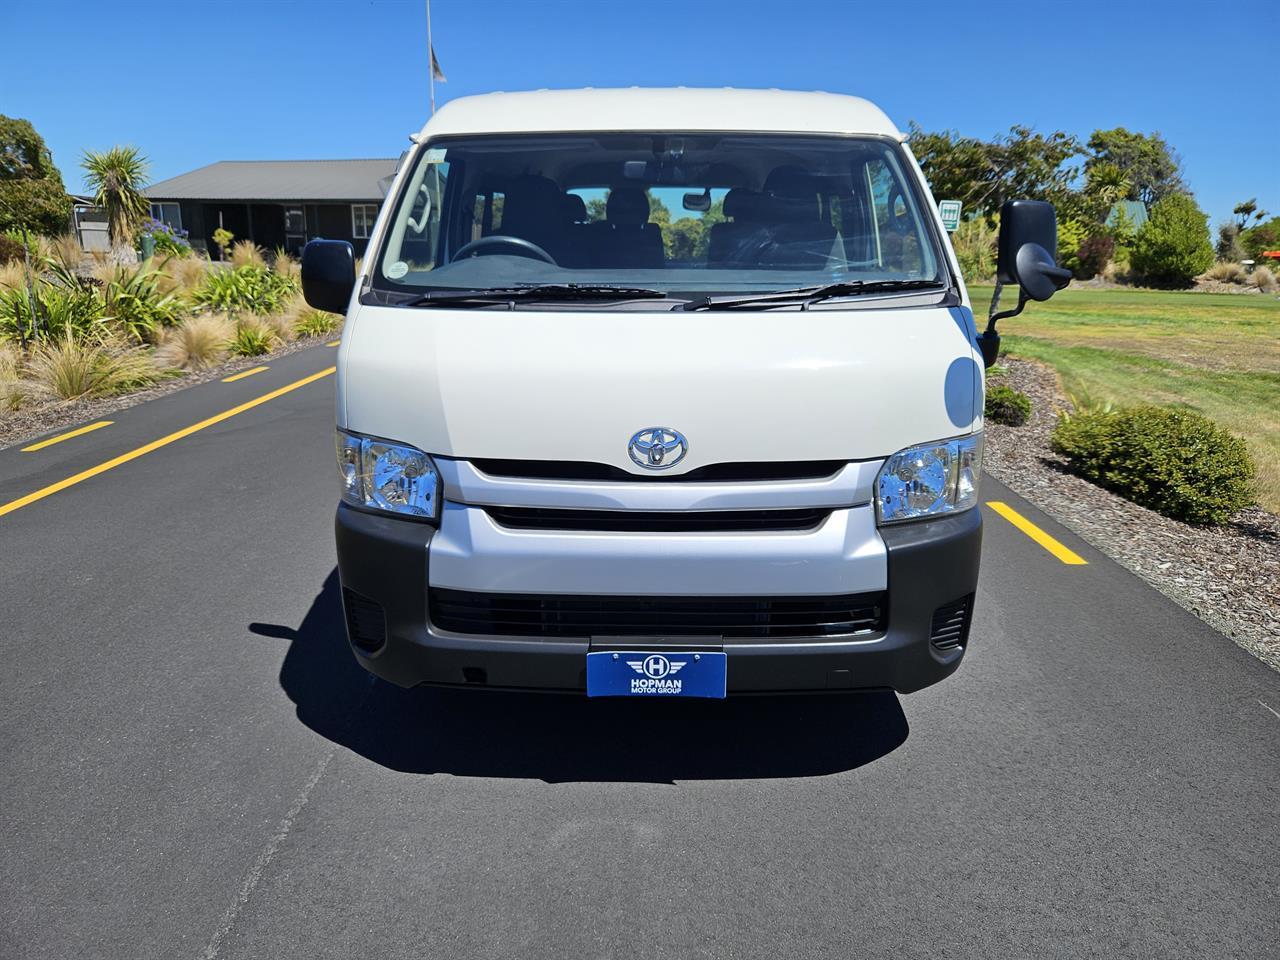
pixel 686 109
pixel 278 180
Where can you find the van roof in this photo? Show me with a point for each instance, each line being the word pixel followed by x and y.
pixel 676 109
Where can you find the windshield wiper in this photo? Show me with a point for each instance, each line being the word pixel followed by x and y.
pixel 485 296
pixel 806 296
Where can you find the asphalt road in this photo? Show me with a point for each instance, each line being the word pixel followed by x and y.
pixel 194 766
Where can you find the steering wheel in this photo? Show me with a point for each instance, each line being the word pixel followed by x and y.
pixel 518 246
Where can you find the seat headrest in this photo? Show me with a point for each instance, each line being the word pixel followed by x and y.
pixel 573 207
pixel 792 196
pixel 742 204
pixel 627 206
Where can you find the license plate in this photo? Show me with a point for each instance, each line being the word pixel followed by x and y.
pixel 633 673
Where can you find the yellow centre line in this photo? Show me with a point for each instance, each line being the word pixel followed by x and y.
pixel 243 373
pixel 157 444
pixel 1035 533
pixel 333 343
pixel 67 436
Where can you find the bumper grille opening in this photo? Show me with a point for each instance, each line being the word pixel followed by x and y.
pixel 366 621
pixel 641 521
pixel 950 627
pixel 762 618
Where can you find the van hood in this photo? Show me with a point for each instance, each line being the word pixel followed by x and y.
pixel 783 385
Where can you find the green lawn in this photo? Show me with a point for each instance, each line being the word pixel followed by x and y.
pixel 1218 354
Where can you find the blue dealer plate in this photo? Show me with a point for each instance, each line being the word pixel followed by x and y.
pixel 634 673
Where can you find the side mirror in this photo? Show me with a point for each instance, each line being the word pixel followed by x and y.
pixel 1028 249
pixel 1026 257
pixel 328 274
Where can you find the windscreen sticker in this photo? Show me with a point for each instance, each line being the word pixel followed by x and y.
pixel 436 154
pixel 396 270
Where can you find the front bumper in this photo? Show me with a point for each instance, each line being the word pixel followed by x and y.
pixel 931 564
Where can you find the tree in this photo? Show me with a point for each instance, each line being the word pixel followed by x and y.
pixel 1173 247
pixel 982 175
pixel 1150 165
pixel 1246 211
pixel 1264 236
pixel 32 196
pixel 116 178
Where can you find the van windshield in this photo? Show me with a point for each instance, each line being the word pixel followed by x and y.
pixel 696 214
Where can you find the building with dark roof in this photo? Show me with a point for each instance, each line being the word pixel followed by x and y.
pixel 275 203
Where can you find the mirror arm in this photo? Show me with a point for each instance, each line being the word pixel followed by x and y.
pixel 989 341
pixel 993 316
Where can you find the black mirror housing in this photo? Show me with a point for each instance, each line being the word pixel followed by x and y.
pixel 1028 249
pixel 328 274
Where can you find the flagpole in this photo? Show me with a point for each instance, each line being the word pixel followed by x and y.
pixel 431 67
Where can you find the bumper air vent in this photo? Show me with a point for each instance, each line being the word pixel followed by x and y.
pixel 752 618
pixel 366 621
pixel 950 628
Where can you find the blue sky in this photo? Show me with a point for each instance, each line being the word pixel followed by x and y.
pixel 190 82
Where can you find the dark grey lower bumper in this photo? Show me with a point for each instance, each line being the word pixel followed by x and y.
pixel 931 563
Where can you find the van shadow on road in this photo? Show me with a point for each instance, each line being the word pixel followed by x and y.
pixel 559 738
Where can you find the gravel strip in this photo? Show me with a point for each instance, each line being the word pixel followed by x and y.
pixel 36 421
pixel 1228 576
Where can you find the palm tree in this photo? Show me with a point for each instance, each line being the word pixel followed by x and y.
pixel 116 178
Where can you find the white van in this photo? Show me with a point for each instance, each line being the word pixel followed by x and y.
pixel 662 393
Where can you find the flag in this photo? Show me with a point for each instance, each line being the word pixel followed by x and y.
pixel 436 72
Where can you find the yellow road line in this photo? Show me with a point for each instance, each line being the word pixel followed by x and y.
pixel 244 373
pixel 333 343
pixel 157 444
pixel 67 436
pixel 1035 533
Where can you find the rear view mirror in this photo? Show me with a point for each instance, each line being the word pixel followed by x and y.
pixel 1028 249
pixel 328 274
pixel 700 202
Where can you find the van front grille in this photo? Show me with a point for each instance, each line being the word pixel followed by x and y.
pixel 764 618
pixel 643 521
pixel 711 473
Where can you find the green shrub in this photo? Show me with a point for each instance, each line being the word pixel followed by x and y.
pixel 132 299
pixel 1071 234
pixel 975 245
pixel 316 323
pixel 1173 246
pixel 1007 406
pixel 248 289
pixel 1175 462
pixel 1263 236
pixel 1094 255
pixel 253 338
pixel 64 305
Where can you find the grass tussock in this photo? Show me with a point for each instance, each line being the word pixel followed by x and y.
pixel 13 275
pixel 69 368
pixel 15 392
pixel 1264 279
pixel 198 342
pixel 281 326
pixel 285 266
pixel 65 250
pixel 1227 273
pixel 246 253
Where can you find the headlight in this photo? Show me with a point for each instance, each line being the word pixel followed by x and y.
pixel 390 477
pixel 930 480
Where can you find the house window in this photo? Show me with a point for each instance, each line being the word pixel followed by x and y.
pixel 168 213
pixel 362 217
